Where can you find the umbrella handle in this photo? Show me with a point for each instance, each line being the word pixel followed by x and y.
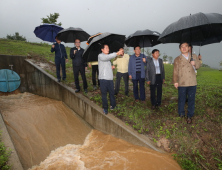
pixel 199 50
pixel 143 47
pixel 191 59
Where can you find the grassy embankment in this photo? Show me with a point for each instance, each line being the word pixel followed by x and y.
pixel 4 155
pixel 196 146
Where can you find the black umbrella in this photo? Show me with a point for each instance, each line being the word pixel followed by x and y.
pixel 70 34
pixel 115 42
pixel 92 36
pixel 143 38
pixel 198 29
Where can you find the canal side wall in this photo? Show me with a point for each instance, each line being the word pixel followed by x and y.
pixel 37 81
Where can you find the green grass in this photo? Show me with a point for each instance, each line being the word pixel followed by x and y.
pixel 4 156
pixel 13 47
pixel 196 146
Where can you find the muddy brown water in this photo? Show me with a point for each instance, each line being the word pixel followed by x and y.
pixel 48 135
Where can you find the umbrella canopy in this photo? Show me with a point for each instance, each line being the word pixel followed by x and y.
pixel 198 29
pixel 143 38
pixel 92 36
pixel 70 34
pixel 115 42
pixel 47 32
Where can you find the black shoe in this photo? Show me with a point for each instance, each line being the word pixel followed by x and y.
pixel 64 79
pixel 59 80
pixel 77 90
pixel 86 91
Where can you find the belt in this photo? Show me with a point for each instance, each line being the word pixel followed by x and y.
pixel 138 71
pixel 158 74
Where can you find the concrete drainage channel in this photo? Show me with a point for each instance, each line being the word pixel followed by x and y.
pixel 37 81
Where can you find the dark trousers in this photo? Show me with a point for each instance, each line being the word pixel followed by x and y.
pixel 62 62
pixel 107 86
pixel 95 71
pixel 157 87
pixel 76 70
pixel 183 92
pixel 142 88
pixel 126 82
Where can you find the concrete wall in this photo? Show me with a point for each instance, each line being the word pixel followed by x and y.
pixel 18 63
pixel 39 82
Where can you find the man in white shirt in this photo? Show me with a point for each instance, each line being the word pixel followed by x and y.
pixel 155 77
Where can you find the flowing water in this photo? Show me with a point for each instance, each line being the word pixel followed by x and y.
pixel 48 134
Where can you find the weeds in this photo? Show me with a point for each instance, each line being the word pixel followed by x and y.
pixel 4 156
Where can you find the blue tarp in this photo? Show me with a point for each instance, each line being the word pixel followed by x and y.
pixel 9 80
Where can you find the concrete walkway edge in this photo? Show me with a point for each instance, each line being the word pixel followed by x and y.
pixel 6 139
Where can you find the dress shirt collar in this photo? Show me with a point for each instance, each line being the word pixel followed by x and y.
pixel 78 48
pixel 187 56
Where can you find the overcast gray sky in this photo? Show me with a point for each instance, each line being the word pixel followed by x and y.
pixel 115 16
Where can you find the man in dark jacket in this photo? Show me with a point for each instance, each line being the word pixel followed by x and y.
pixel 79 65
pixel 60 56
pixel 155 77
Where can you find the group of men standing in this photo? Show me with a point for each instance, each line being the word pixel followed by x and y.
pixel 139 68
pixel 79 65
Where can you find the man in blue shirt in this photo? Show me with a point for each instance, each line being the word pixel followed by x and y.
pixel 136 72
pixel 60 56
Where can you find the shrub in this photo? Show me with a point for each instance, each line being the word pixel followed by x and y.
pixel 4 156
pixel 16 36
